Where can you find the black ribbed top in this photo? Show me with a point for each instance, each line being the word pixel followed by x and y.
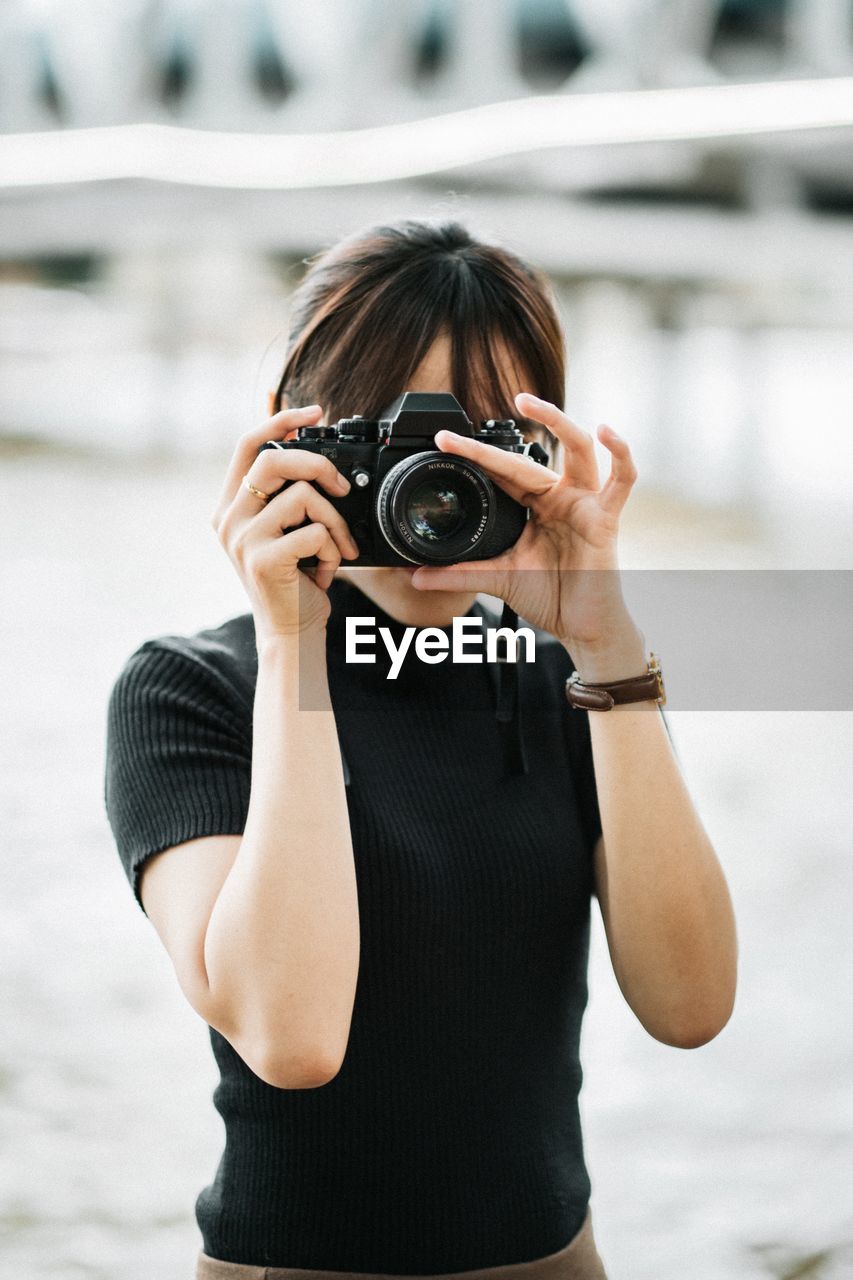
pixel 450 1139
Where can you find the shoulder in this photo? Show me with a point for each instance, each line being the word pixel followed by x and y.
pixel 220 658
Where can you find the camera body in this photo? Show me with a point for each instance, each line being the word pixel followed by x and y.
pixel 410 503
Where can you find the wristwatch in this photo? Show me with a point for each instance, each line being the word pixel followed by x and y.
pixel 601 697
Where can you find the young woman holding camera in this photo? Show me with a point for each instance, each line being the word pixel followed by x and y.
pixel 377 892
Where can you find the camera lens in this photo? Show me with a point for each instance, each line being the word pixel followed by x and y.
pixel 435 511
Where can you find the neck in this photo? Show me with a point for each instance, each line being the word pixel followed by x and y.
pixel 391 589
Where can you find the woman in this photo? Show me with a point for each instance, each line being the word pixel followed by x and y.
pixel 378 905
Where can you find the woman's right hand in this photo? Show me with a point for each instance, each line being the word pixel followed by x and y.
pixel 260 536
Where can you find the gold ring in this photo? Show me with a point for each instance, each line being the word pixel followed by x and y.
pixel 259 493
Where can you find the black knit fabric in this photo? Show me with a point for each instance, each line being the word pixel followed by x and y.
pixel 450 1138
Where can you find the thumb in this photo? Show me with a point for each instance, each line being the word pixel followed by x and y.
pixel 472 575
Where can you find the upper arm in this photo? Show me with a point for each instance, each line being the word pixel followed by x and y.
pixel 177 790
pixel 178 888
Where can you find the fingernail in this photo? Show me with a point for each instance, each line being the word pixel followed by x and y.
pixel 343 484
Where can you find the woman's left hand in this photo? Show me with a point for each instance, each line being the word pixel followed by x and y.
pixel 573 526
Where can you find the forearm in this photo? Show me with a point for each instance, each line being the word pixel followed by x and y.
pixel 282 944
pixel 666 907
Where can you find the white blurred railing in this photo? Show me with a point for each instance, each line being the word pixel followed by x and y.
pixel 68 66
pixel 670 311
pixel 350 62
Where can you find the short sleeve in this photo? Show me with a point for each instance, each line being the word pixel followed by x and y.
pixel 178 755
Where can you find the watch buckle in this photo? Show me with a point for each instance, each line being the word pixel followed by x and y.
pixel 654 668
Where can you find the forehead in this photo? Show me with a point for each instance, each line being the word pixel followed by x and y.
pixel 435 369
pixel 435 373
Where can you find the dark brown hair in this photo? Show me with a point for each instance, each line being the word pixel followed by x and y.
pixel 368 310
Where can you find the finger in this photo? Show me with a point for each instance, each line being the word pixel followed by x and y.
pixel 623 472
pixel 328 563
pixel 297 544
pixel 273 467
pixel 327 553
pixel 472 575
pixel 246 449
pixel 579 464
pixel 519 476
pixel 301 501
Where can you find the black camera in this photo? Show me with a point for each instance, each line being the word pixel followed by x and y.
pixel 410 503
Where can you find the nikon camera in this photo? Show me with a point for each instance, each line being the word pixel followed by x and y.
pixel 410 503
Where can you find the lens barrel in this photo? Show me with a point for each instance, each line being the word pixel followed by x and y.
pixel 435 509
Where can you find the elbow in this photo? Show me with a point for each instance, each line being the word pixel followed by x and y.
pixel 696 1018
pixel 695 1037
pixel 694 1031
pixel 309 1070
pixel 280 1068
pixel 308 1066
pixel 288 1065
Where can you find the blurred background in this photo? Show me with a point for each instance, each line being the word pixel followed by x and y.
pixel 703 261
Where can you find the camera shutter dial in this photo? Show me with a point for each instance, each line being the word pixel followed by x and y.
pixel 358 429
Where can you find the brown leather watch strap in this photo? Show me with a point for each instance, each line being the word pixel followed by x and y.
pixel 601 697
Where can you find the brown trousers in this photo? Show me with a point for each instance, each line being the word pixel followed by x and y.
pixel 578 1260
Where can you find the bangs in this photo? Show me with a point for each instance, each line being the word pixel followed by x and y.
pixel 494 356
